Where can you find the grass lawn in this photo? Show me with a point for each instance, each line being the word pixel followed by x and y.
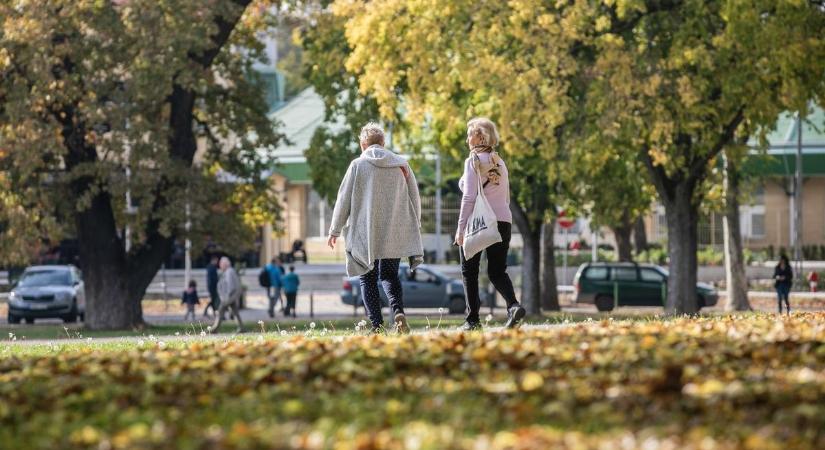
pixel 58 332
pixel 743 381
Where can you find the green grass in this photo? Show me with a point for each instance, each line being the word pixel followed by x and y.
pixel 59 332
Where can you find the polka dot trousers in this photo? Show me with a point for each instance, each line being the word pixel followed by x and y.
pixel 385 270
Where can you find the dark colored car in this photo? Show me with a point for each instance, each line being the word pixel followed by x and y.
pixel 631 284
pixel 422 288
pixel 48 292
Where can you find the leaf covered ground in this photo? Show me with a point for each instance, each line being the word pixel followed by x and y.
pixel 751 381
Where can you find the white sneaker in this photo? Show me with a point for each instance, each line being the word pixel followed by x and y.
pixel 401 326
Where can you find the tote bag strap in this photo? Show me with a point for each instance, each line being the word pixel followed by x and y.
pixel 476 166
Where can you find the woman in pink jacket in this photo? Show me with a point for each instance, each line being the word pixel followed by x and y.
pixel 484 162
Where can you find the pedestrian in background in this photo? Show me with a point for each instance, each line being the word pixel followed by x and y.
pixel 190 299
pixel 783 279
pixel 291 281
pixel 212 286
pixel 273 291
pixel 229 290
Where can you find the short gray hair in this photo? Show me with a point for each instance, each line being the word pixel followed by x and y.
pixel 485 128
pixel 372 134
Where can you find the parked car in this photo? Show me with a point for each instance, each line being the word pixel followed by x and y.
pixel 48 292
pixel 634 285
pixel 422 288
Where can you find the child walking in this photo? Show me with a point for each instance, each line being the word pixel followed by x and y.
pixel 290 284
pixel 190 299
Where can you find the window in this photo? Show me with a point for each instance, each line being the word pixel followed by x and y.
pixel 596 273
pixel 651 275
pixel 757 225
pixel 624 273
pixel 423 276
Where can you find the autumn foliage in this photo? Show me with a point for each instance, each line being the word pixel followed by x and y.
pixel 751 381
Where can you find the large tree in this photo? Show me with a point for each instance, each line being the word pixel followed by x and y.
pixel 335 143
pixel 517 62
pixel 99 99
pixel 682 80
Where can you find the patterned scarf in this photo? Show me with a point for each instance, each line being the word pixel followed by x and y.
pixel 488 171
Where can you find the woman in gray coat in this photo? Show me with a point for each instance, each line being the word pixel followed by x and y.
pixel 378 212
pixel 229 290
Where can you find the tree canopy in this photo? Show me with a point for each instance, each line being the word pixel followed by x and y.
pixel 101 98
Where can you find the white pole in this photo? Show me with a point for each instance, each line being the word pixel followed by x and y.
pixel 564 255
pixel 798 199
pixel 439 245
pixel 187 249
pixel 127 238
pixel 594 250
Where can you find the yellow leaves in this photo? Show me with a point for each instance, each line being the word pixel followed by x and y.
pixel 602 23
pixel 531 381
pixel 5 58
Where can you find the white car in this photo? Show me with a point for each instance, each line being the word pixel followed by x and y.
pixel 48 292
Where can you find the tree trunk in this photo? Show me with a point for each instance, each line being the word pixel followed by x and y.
pixel 640 235
pixel 549 284
pixel 622 233
pixel 109 302
pixel 682 243
pixel 735 277
pixel 531 264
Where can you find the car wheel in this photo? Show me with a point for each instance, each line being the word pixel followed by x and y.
pixel 29 320
pixel 457 305
pixel 604 303
pixel 72 316
pixel 700 303
pixel 13 319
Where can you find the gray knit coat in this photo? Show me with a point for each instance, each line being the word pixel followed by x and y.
pixel 229 286
pixel 378 211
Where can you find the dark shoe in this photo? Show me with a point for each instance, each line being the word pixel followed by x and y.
pixel 514 315
pixel 271 314
pixel 470 326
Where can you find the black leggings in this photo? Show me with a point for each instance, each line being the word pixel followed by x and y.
pixel 385 270
pixel 496 270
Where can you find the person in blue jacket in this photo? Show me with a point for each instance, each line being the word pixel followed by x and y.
pixel 290 284
pixel 274 289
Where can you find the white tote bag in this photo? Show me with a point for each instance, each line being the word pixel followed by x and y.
pixel 482 226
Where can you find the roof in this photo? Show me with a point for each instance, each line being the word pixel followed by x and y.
pixel 780 157
pixel 298 120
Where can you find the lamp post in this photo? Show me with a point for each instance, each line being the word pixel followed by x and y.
pixel 797 203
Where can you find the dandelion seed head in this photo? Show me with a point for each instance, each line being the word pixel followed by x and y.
pixel 441 310
pixel 489 317
pixel 312 325
pixel 283 332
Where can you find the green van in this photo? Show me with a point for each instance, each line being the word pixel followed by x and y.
pixel 632 284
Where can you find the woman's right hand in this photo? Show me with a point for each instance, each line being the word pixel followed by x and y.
pixel 331 241
pixel 459 239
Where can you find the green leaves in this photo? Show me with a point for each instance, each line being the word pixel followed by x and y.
pixel 93 89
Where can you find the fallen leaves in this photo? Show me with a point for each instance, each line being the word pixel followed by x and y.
pixel 752 381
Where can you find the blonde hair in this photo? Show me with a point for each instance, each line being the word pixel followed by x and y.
pixel 372 134
pixel 485 128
